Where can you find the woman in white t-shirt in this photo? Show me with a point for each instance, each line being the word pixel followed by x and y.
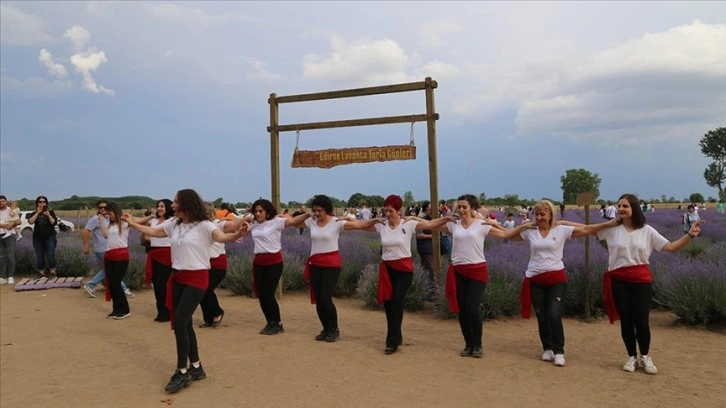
pixel 322 269
pixel 266 232
pixel 116 261
pixel 627 285
pixel 396 268
pixel 190 234
pixel 545 282
pixel 468 275
pixel 158 260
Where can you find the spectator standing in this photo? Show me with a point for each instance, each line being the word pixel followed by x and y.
pixel 44 235
pixel 7 243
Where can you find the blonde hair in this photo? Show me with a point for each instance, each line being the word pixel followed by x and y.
pixel 210 210
pixel 546 205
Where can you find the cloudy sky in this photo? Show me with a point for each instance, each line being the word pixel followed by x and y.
pixel 140 98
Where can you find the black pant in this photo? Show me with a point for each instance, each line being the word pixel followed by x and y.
pixel 186 299
pixel 210 303
pixel 547 302
pixel 267 277
pixel 468 294
pixel 115 271
pixel 400 282
pixel 633 301
pixel 160 277
pixel 323 281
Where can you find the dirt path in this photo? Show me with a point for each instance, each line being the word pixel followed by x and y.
pixel 57 349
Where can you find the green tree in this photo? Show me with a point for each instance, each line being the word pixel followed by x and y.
pixel 511 200
pixel 357 199
pixel 576 181
pixel 218 202
pixel 696 198
pixel 713 145
pixel 408 199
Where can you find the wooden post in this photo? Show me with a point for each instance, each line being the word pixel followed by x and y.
pixel 275 166
pixel 274 151
pixel 586 199
pixel 433 169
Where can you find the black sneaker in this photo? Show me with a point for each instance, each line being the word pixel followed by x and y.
pixel 477 352
pixel 266 329
pixel 391 349
pixel 178 381
pixel 332 336
pixel 111 315
pixel 321 336
pixel 275 328
pixel 197 373
pixel 467 352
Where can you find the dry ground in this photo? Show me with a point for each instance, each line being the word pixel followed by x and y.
pixel 57 349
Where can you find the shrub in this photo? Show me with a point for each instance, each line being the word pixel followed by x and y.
pixel 367 288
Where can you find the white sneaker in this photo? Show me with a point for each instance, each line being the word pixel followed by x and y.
pixel 91 291
pixel 548 355
pixel 560 360
pixel 648 366
pixel 630 364
pixel 11 281
pixel 129 294
pixel 3 281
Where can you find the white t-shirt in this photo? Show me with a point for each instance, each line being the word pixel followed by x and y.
pixel 508 224
pixel 267 236
pixel 467 243
pixel 217 248
pixel 189 244
pixel 158 242
pixel 630 248
pixel 545 254
pixel 396 243
pixel 114 240
pixel 324 239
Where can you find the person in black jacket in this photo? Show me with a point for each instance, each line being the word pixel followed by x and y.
pixel 44 239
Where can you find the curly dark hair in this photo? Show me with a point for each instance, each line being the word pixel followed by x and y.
pixel 323 202
pixel 168 212
pixel 189 202
pixel 267 206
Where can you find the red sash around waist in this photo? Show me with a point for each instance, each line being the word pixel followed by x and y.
pixel 322 260
pixel 116 254
pixel 219 262
pixel 197 278
pixel 477 272
pixel 385 288
pixel 263 259
pixel 161 255
pixel 549 278
pixel 633 274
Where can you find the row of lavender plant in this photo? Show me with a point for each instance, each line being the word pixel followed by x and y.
pixel 691 283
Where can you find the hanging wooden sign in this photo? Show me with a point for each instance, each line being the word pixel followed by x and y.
pixel 348 155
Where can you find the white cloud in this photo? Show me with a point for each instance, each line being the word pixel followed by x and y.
pixel 54 68
pixel 78 36
pixel 438 70
pixel 260 71
pixel 18 28
pixel 630 93
pixel 374 62
pixel 87 62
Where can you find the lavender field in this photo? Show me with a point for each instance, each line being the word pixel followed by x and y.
pixel 691 283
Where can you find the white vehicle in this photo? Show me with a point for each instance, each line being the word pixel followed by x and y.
pixel 28 228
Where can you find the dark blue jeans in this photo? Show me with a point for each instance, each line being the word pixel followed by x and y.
pixel 45 248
